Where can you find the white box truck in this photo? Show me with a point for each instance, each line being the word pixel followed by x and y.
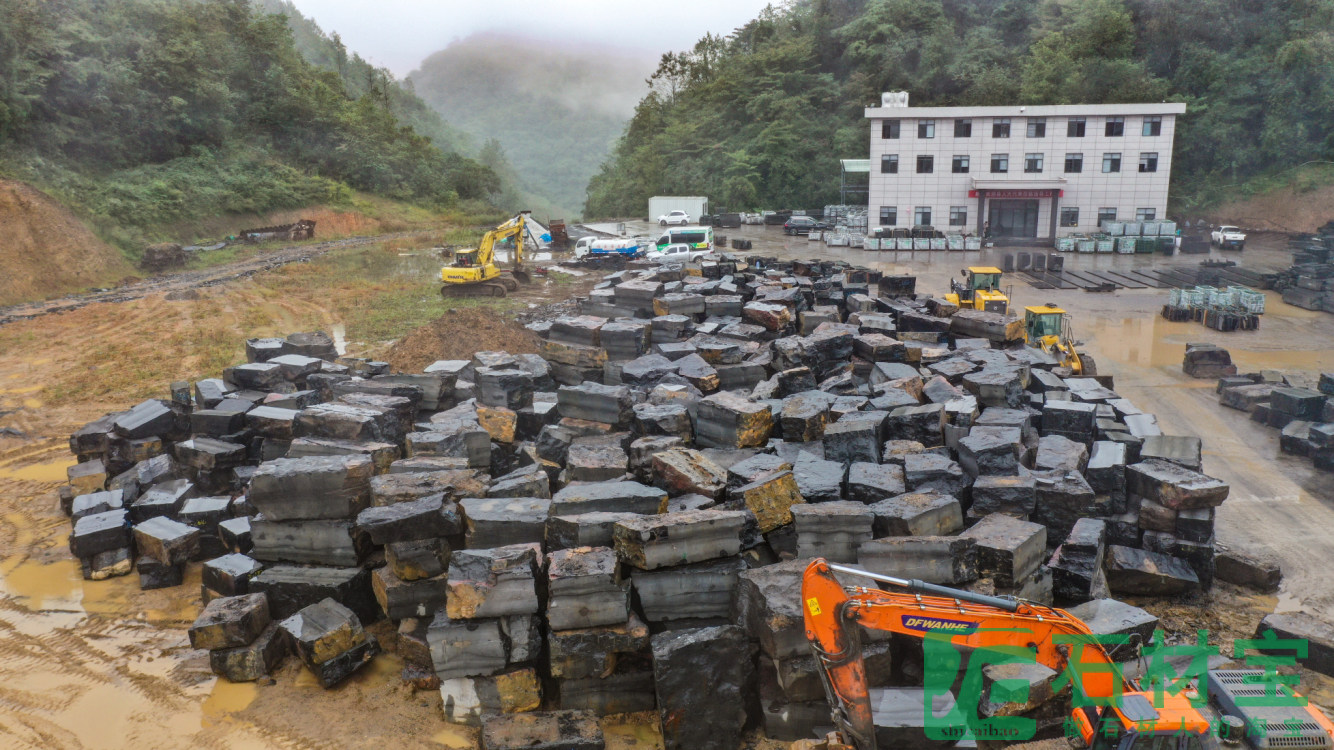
pixel 660 208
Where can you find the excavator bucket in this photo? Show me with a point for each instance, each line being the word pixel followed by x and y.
pixel 521 276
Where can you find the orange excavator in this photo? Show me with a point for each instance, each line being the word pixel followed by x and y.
pixel 1114 714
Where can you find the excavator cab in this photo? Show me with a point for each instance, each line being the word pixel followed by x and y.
pixel 1041 323
pixel 980 290
pixel 466 258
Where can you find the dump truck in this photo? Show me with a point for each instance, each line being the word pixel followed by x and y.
pixel 1110 712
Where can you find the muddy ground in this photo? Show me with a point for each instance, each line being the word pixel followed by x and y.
pixel 104 665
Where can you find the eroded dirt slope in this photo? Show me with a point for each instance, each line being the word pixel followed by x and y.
pixel 45 249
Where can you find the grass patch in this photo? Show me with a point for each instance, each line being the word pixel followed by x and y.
pixel 140 347
pixel 394 313
pixel 1302 179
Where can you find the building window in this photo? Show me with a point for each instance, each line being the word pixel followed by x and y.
pixel 958 216
pixel 1000 127
pixel 1153 125
pixel 1032 162
pixel 1111 163
pixel 1074 163
pixel 889 129
pixel 926 164
pixel 1074 127
pixel 1145 214
pixel 926 128
pixel 1037 127
pixel 963 128
pixel 1000 163
pixel 922 216
pixel 1069 216
pixel 889 164
pixel 1148 162
pixel 1105 215
pixel 1116 127
pixel 889 216
pixel 960 165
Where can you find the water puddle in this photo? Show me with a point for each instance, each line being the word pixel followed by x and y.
pixel 21 391
pixel 46 586
pixel 48 472
pixel 339 333
pixel 227 698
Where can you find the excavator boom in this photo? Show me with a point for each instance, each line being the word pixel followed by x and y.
pixel 967 620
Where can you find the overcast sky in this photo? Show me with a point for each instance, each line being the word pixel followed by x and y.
pixel 399 34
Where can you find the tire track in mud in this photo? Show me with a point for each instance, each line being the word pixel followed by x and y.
pixel 194 279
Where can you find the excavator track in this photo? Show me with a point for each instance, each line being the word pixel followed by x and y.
pixel 484 289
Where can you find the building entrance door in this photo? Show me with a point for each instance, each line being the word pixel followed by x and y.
pixel 1014 218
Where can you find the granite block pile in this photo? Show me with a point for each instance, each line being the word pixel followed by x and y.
pixel 1303 416
pixel 620 523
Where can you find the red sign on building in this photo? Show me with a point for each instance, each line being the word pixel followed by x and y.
pixel 1018 193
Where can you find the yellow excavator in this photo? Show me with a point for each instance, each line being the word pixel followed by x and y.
pixel 474 272
pixel 979 291
pixel 1047 327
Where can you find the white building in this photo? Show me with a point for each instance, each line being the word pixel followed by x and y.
pixel 1032 172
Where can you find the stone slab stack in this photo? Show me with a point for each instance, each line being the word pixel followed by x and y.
pixel 620 523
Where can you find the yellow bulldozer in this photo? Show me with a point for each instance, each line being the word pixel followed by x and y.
pixel 474 272
pixel 980 290
pixel 1047 327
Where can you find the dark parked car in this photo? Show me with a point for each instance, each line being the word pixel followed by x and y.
pixel 803 225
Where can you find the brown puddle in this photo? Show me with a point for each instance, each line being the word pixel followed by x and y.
pixel 48 472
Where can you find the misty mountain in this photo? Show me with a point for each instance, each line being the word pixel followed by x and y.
pixel 556 110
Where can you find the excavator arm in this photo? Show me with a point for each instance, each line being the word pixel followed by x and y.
pixel 486 249
pixel 833 613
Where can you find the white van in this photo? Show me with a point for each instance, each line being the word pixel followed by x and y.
pixel 698 238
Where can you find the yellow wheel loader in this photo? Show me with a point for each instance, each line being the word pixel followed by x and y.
pixel 980 290
pixel 1047 327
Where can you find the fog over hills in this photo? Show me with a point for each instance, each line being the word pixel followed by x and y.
pixel 556 109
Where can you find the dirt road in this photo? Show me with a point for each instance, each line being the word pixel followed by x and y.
pixel 183 280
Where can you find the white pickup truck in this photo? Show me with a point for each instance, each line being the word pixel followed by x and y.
pixel 1228 238
pixel 679 252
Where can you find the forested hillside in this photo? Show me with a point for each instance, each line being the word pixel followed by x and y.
pixel 327 52
pixel 144 112
pixel 554 111
pixel 760 118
